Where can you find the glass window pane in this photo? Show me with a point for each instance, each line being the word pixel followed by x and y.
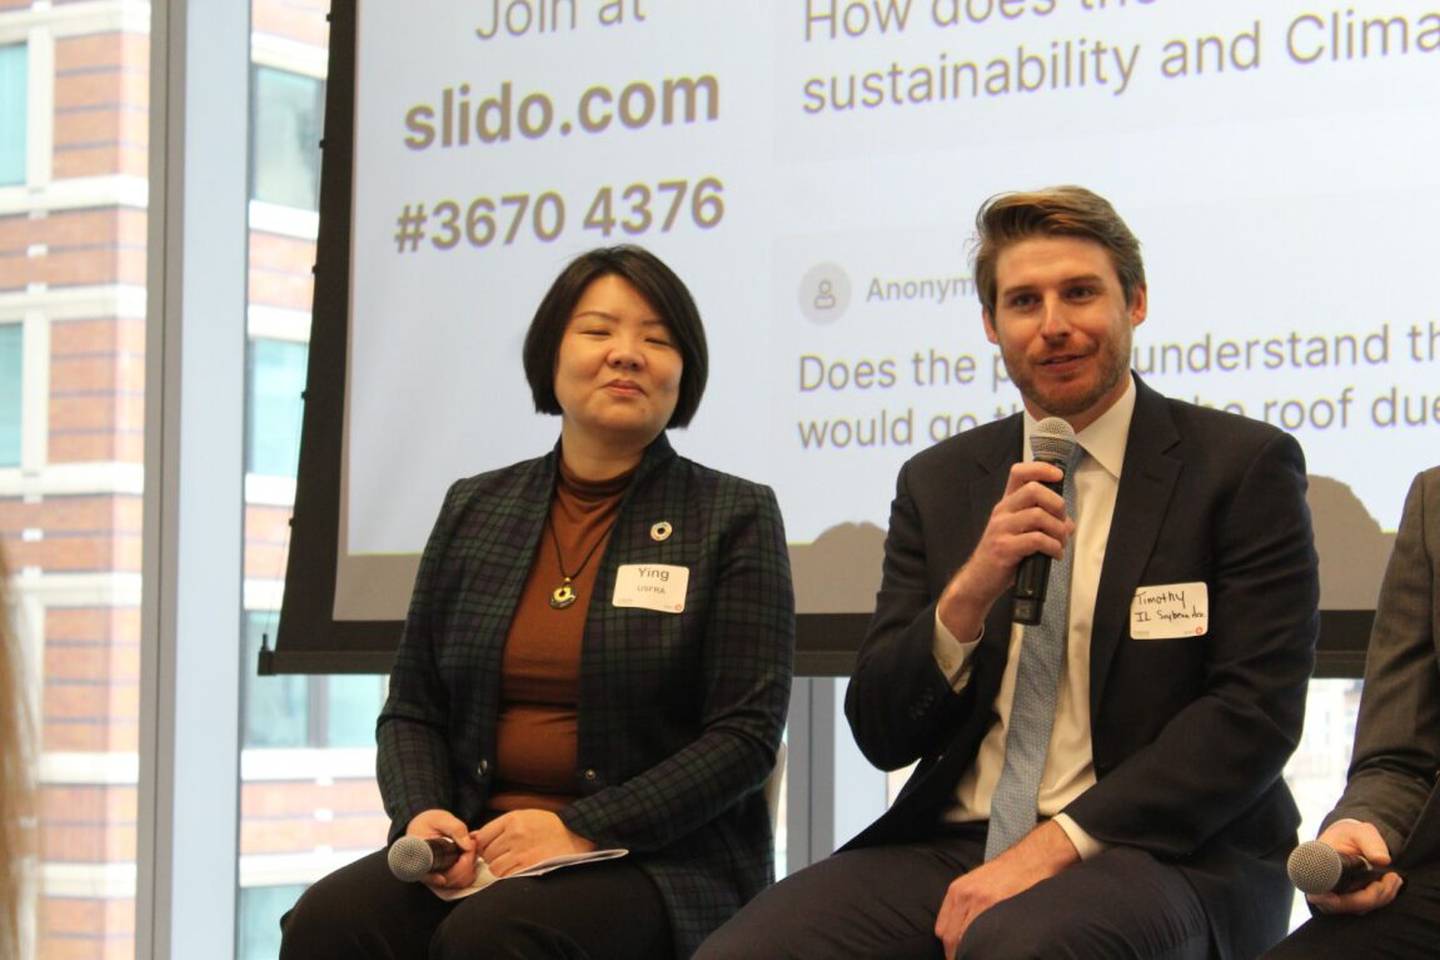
pixel 11 340
pixel 258 924
pixel 284 161
pixel 275 710
pixel 74 524
pixel 277 378
pixel 354 703
pixel 13 114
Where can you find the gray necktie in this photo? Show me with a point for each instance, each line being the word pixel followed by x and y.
pixel 1032 713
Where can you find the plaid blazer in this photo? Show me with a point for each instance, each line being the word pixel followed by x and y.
pixel 679 715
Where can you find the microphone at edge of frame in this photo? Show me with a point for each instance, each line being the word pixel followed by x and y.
pixel 1052 441
pixel 1316 867
pixel 412 858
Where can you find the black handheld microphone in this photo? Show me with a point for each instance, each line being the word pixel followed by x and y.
pixel 1317 867
pixel 1052 441
pixel 412 858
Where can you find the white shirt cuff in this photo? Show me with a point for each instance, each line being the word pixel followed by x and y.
pixel 1085 845
pixel 951 655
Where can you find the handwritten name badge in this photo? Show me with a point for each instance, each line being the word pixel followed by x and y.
pixel 1169 611
pixel 651 586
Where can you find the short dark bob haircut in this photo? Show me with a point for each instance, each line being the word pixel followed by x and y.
pixel 661 288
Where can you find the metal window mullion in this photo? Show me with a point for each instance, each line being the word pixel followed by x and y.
pixel 187 859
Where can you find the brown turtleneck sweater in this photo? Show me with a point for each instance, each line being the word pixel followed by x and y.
pixel 537 736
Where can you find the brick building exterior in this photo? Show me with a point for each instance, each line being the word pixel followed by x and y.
pixel 74 95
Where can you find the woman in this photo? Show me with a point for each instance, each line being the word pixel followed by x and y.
pixel 15 786
pixel 597 655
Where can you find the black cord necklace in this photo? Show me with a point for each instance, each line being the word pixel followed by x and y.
pixel 564 595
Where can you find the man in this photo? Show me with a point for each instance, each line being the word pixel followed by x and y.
pixel 1163 824
pixel 1389 812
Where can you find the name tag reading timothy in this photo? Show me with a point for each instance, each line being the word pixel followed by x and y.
pixel 1170 610
pixel 651 586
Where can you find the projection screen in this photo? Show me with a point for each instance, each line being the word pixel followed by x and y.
pixel 811 168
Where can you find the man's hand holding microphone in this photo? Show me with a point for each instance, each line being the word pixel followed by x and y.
pixel 1344 870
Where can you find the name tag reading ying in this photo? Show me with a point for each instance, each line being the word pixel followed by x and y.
pixel 1170 610
pixel 651 586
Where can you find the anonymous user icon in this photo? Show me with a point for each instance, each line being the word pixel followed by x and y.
pixel 825 296
pixel 824 292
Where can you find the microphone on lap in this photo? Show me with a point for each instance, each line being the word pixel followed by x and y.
pixel 1315 867
pixel 413 858
pixel 1052 441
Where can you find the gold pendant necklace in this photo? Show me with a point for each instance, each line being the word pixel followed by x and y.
pixel 564 595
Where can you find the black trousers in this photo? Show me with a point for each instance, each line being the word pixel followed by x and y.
pixel 881 902
pixel 602 911
pixel 1407 927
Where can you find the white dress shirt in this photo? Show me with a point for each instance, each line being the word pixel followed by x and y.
pixel 1069 763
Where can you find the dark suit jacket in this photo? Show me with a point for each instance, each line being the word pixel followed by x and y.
pixel 1392 780
pixel 1189 735
pixel 680 715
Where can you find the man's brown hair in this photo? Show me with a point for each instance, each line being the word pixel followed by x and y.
pixel 1008 218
